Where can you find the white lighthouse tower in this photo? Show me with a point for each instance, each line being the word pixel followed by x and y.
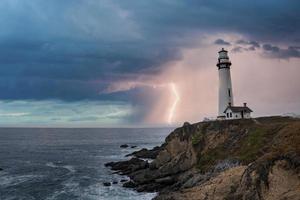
pixel 226 108
pixel 225 87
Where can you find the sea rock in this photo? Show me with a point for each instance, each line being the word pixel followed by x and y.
pixel 129 166
pixel 133 146
pixel 115 182
pixel 1 169
pixel 124 146
pixel 107 184
pixel 150 187
pixel 123 180
pixel 145 153
pixel 169 180
pixel 129 184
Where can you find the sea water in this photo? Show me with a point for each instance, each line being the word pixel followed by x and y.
pixel 68 163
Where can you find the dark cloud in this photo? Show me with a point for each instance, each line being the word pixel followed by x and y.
pixel 252 48
pixel 272 51
pixel 222 42
pixel 277 52
pixel 237 49
pixel 251 43
pixel 267 20
pixel 269 47
pixel 72 49
pixel 246 46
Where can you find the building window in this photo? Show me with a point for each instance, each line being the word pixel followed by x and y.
pixel 236 116
pixel 230 115
pixel 227 115
pixel 229 93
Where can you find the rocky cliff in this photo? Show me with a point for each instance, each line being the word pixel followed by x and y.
pixel 235 159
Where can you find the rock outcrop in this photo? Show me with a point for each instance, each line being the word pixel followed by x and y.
pixel 124 146
pixel 238 159
pixel 145 153
pixel 107 184
pixel 127 167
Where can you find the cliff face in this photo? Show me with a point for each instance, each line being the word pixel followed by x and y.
pixel 236 159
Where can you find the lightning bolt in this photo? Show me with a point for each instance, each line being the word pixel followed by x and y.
pixel 173 107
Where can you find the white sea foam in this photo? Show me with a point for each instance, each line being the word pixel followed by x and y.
pixel 9 180
pixel 55 195
pixel 115 192
pixel 69 187
pixel 51 164
pixel 118 156
pixel 68 167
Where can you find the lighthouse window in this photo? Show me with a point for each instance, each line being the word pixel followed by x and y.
pixel 227 115
pixel 230 115
pixel 229 93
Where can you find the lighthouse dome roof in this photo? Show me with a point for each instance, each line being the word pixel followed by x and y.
pixel 222 50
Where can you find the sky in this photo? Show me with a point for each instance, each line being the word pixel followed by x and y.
pixel 119 63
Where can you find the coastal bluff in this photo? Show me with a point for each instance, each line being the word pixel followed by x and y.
pixel 248 159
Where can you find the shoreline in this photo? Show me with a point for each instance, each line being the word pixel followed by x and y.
pixel 195 156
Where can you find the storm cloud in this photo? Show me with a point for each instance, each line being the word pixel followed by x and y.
pixel 268 50
pixel 222 42
pixel 285 53
pixel 90 40
pixel 74 50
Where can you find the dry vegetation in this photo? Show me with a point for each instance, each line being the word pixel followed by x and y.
pixel 266 138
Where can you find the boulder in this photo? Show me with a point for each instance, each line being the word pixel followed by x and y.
pixel 129 184
pixel 165 180
pixel 145 153
pixel 150 187
pixel 107 184
pixel 109 164
pixel 124 146
pixel 129 166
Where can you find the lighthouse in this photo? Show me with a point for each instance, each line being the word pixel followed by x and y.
pixel 225 86
pixel 227 110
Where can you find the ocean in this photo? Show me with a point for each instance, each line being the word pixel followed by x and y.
pixel 68 163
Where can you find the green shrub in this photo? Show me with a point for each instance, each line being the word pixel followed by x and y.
pixel 210 158
pixel 197 138
pixel 251 145
pixel 246 151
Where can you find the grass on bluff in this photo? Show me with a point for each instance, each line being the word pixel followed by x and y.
pixel 252 145
pixel 273 138
pixel 197 138
pixel 249 148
